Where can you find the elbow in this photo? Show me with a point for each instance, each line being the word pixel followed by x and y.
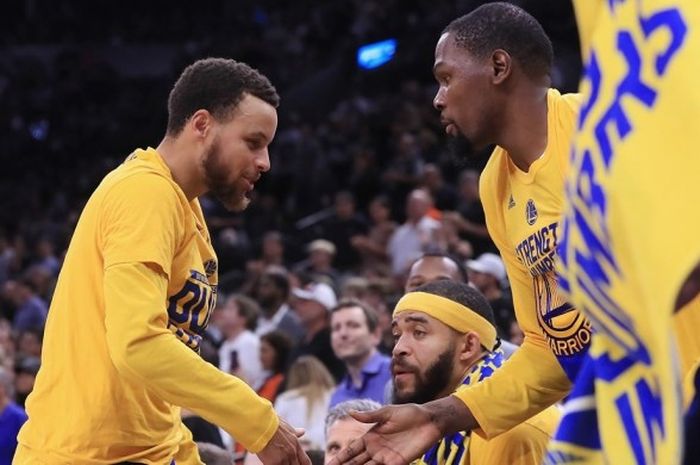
pixel 123 359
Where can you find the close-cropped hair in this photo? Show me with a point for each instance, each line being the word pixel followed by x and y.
pixel 508 27
pixel 216 85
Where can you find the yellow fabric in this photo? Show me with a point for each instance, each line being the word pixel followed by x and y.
pixel 532 379
pixel 632 216
pixel 137 286
pixel 455 315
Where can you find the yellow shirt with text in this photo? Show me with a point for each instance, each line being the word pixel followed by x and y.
pixel 522 215
pixel 120 349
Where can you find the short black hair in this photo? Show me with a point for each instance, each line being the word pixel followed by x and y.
pixel 510 28
pixel 216 85
pixel 280 280
pixel 461 293
pixel 370 313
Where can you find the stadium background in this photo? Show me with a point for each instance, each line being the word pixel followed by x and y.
pixel 82 84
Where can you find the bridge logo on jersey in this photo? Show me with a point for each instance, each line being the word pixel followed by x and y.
pixel 530 212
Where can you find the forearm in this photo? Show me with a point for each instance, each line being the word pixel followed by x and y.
pixel 450 415
pixel 144 351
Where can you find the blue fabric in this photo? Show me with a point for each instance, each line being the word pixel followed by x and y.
pixel 11 420
pixel 375 374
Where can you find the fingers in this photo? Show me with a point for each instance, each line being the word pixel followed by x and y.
pixel 374 416
pixel 299 432
pixel 301 457
pixel 348 455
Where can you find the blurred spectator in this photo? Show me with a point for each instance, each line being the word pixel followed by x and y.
pixel 26 369
pixel 202 431
pixel 274 351
pixel 487 273
pixel 212 454
pixel 272 293
pixel 29 343
pixel 372 246
pixel 469 219
pixel 432 267
pixel 319 264
pixel 239 354
pixel 30 310
pixel 312 303
pixel 46 256
pixel 342 429
pixel 305 402
pixel 12 417
pixel 443 194
pixel 413 237
pixel 355 337
pixel 272 254
pixel 341 227
pixel 7 258
pixel 515 334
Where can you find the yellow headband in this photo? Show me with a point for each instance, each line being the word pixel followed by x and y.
pixel 453 314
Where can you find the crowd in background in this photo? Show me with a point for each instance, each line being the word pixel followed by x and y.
pixel 362 183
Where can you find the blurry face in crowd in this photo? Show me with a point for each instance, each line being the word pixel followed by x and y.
pixel 308 311
pixel 340 433
pixel 237 155
pixel 228 318
pixel 351 338
pixel 267 291
pixel 417 205
pixel 268 356
pixel 482 281
pixel 378 212
pixel 423 359
pixel 463 97
pixel 428 269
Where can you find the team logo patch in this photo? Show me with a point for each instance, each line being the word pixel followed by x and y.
pixel 210 267
pixel 530 212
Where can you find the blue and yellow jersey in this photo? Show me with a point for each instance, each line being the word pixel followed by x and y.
pixel 135 293
pixel 523 212
pixel 630 229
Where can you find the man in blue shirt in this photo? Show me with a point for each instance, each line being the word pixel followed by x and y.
pixel 354 338
pixel 12 417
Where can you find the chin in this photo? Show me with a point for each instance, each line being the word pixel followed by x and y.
pixel 235 205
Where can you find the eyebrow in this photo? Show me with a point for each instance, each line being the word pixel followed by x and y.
pixel 258 134
pixel 412 319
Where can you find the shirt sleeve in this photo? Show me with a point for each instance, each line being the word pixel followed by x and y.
pixel 144 351
pixel 141 222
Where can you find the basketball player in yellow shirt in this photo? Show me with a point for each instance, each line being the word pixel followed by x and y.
pixel 493 68
pixel 138 287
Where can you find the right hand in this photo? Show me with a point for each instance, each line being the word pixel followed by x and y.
pixel 284 447
pixel 402 433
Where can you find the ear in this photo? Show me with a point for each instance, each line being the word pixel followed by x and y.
pixel 469 347
pixel 201 123
pixel 502 65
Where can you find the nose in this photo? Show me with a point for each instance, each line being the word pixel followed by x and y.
pixel 401 348
pixel 439 100
pixel 263 161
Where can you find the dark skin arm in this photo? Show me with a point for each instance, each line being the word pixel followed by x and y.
pixel 402 433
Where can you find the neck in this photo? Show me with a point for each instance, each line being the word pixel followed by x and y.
pixel 182 166
pixel 524 136
pixel 458 375
pixel 355 367
pixel 234 333
pixel 270 310
pixel 313 327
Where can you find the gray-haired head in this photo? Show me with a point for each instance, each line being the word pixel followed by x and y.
pixel 342 410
